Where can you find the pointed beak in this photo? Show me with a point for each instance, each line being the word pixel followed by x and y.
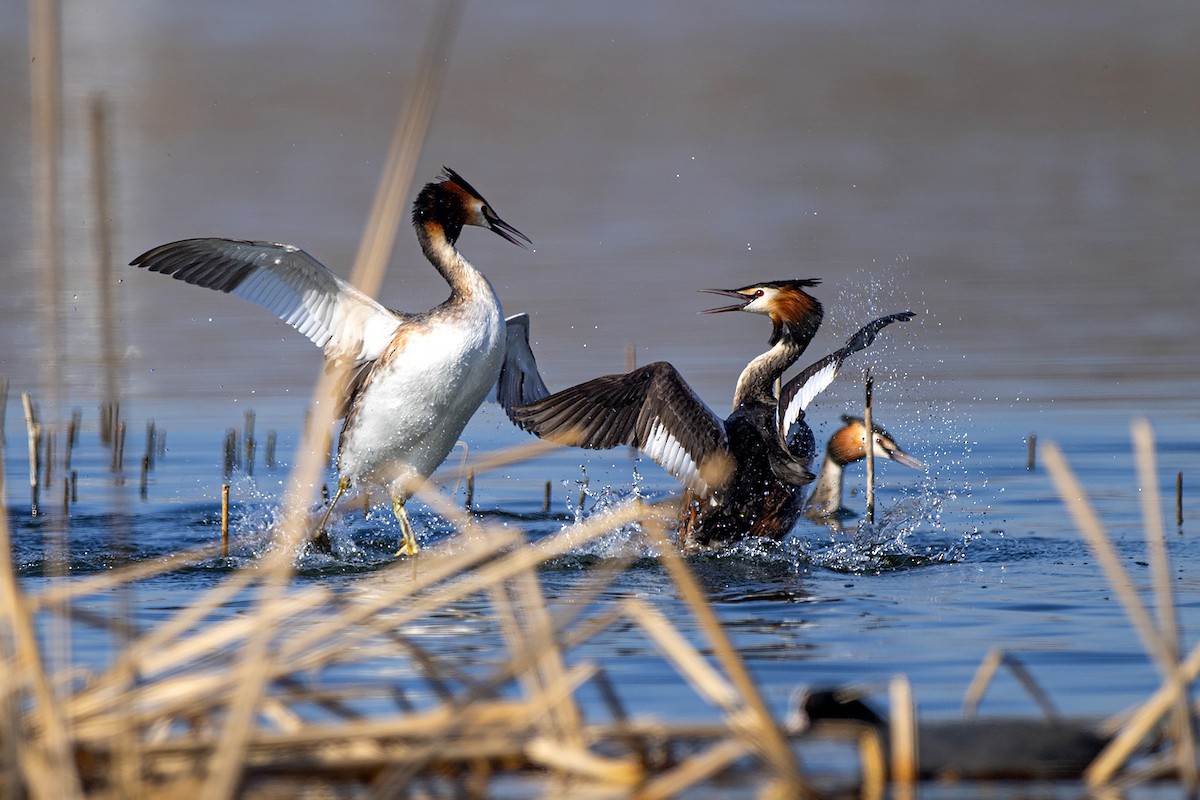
pixel 901 457
pixel 743 300
pixel 503 229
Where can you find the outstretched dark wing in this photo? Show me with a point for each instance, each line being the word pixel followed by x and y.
pixel 520 382
pixel 815 378
pixel 651 408
pixel 290 284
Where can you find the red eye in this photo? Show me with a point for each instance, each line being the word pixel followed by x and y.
pixel 759 293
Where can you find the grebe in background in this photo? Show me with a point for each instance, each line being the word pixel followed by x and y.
pixel 415 378
pixel 743 474
pixel 847 445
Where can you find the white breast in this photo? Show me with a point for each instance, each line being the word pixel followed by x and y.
pixel 425 389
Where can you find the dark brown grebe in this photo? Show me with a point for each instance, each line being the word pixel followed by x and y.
pixel 744 474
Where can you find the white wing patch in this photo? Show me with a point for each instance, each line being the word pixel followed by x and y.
pixel 812 387
pixel 667 451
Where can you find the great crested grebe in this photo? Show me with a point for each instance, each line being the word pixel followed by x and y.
pixel 847 445
pixel 415 378
pixel 743 474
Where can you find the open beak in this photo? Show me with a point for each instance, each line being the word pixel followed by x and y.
pixel 502 228
pixel 743 300
pixel 901 457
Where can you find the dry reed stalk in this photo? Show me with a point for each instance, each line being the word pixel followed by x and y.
pixel 210 687
pixel 1094 534
pixel 1031 452
pixel 1179 499
pixel 101 195
pixel 320 643
pixel 224 520
pixel 108 696
pixel 308 652
pixel 531 635
pixel 511 455
pixel 775 745
pixel 367 274
pixel 902 731
pixel 3 408
pixel 552 754
pixel 1156 546
pixel 411 130
pixel 1177 677
pixel 872 762
pixel 33 430
pixel 702 677
pixel 45 42
pixel 699 767
pixel 870 445
pixel 169 631
pixel 986 671
pixel 44 748
pixel 538 631
pixel 100 582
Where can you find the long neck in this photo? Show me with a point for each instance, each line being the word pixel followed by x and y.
pixel 757 381
pixel 826 497
pixel 466 282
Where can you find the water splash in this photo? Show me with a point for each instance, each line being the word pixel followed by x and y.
pixel 909 533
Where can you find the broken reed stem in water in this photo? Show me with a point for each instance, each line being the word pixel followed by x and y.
pixel 3 408
pixel 72 437
pixel 33 430
pixel 119 451
pixel 1031 454
pixel 870 445
pixel 269 452
pixel 1179 499
pixel 151 444
pixel 225 520
pixel 250 443
pixel 48 449
pixel 470 489
pixel 546 498
pixel 230 452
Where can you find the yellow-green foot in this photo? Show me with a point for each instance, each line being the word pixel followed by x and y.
pixel 408 542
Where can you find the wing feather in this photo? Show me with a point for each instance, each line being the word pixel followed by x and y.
pixel 290 284
pixel 651 408
pixel 520 382
pixel 802 389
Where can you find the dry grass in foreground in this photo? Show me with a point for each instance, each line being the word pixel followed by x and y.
pixel 156 722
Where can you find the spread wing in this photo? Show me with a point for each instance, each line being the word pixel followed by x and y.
pixel 290 284
pixel 651 408
pixel 815 378
pixel 520 382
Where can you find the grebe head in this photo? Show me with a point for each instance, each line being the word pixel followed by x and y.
pixel 848 444
pixel 451 202
pixel 790 308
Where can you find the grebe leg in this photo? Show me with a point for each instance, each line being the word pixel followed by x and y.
pixel 408 544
